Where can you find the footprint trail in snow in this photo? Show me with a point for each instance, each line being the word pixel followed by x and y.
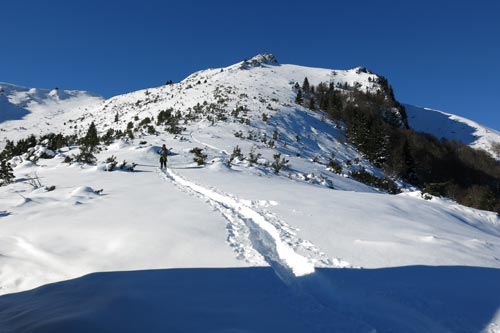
pixel 257 236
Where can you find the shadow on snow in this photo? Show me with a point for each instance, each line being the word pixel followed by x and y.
pixel 440 125
pixel 402 299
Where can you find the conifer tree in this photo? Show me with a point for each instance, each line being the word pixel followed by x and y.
pixel 91 139
pixel 9 150
pixel 409 170
pixel 6 173
pixel 312 105
pixel 305 85
pixel 299 99
pixel 323 102
pixel 88 145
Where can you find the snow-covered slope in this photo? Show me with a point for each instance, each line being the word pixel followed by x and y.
pixel 304 249
pixel 25 111
pixel 452 127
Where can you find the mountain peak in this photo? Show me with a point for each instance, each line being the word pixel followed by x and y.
pixel 260 60
pixel 362 69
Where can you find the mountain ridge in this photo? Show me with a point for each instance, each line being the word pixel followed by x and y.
pixel 481 138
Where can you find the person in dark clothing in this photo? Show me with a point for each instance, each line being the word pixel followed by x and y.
pixel 163 156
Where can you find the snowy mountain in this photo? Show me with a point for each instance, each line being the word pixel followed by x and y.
pixel 273 233
pixel 452 127
pixel 25 111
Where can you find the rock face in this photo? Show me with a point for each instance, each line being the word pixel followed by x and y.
pixel 260 60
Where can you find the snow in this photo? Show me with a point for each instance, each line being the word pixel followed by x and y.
pixel 264 235
pixel 25 111
pixel 83 232
pixel 402 299
pixel 238 247
pixel 452 127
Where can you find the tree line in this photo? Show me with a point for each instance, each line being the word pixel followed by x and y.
pixel 377 125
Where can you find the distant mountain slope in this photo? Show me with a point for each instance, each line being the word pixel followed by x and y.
pixel 25 111
pixel 452 127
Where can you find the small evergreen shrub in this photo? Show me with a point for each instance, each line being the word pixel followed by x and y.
pixel 145 122
pixel 435 189
pixel 234 155
pixel 279 163
pixel 111 163
pixel 385 184
pixel 127 167
pixel 253 157
pixel 199 157
pixel 334 166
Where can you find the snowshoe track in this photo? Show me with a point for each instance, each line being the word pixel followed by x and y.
pixel 258 236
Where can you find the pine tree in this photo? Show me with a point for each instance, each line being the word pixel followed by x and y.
pixel 6 173
pixel 323 102
pixel 9 150
pixel 86 155
pixel 377 144
pixel 88 145
pixel 299 99
pixel 305 85
pixel 409 169
pixel 312 105
pixel 91 139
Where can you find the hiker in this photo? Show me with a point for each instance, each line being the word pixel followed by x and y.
pixel 163 156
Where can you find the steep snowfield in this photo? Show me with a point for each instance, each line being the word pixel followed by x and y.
pixel 237 248
pixel 452 127
pixel 25 111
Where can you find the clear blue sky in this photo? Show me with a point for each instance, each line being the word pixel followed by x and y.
pixel 440 54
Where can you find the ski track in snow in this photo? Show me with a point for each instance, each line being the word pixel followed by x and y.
pixel 259 237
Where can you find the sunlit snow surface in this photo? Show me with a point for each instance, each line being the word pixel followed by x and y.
pixel 238 248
